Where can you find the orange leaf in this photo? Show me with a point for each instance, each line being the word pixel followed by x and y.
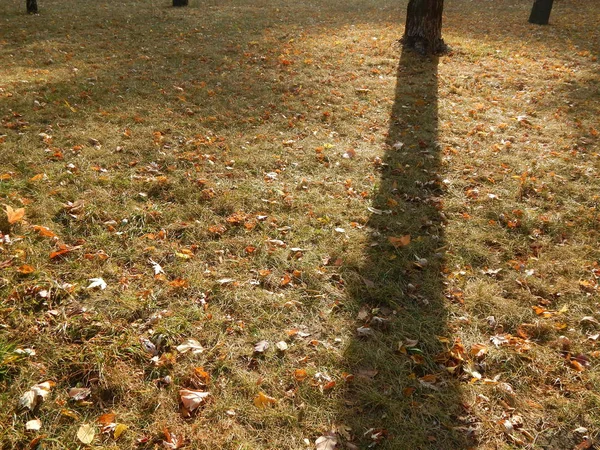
pixel 478 350
pixel 26 269
pixel 179 283
pixel 46 232
pixel 262 400
pixel 107 419
pixel 399 241
pixel 300 374
pixel 329 386
pixel 14 215
pixel 576 365
pixel 38 177
pixel 285 280
pixel 63 250
pixel 202 374
pixel 407 392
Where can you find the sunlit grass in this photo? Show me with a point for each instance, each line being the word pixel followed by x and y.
pixel 262 154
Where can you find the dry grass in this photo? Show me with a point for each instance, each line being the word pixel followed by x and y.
pixel 260 142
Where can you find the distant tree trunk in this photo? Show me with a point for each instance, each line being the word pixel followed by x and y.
pixel 423 31
pixel 540 12
pixel 32 7
pixel 180 2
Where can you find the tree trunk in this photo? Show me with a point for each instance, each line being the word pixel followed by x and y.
pixel 423 31
pixel 32 7
pixel 180 2
pixel 540 12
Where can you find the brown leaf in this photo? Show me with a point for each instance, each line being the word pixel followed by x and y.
pixel 398 242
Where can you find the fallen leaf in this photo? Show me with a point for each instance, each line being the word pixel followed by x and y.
pixel 262 400
pixel 26 269
pixel 192 399
pixel 365 331
pixel 77 394
pixel 261 346
pixel 190 345
pixel 86 433
pixel 44 231
pixel 70 413
pixel 171 441
pixel 327 442
pixel 399 241
pixel 14 215
pixel 33 425
pixel 35 395
pixel 107 418
pixel 157 267
pixel 300 374
pixel 202 375
pixel 499 340
pixel 119 430
pixel 97 283
pixel 478 350
pixel 281 346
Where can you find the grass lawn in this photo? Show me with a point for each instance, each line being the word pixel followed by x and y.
pixel 261 225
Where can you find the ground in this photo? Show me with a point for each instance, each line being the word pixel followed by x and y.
pixel 364 246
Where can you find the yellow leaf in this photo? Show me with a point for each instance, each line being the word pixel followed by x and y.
pixel 119 430
pixel 70 413
pixel 262 400
pixel 38 177
pixel 14 215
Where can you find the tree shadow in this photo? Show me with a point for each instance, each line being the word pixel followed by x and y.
pixel 400 395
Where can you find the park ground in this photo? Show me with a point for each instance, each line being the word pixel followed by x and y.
pixel 261 225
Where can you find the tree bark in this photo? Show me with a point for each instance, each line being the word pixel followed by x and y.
pixel 180 2
pixel 423 31
pixel 540 12
pixel 32 7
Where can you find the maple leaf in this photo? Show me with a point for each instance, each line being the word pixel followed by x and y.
pixel 14 215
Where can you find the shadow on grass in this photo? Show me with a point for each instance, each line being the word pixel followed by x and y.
pixel 399 395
